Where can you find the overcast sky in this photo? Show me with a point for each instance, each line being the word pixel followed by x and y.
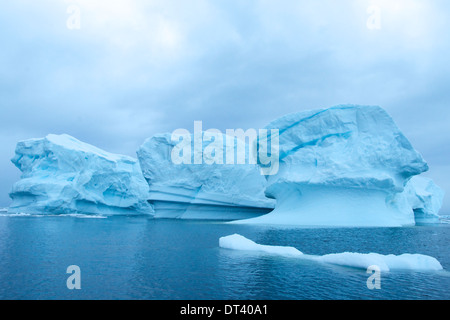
pixel 138 67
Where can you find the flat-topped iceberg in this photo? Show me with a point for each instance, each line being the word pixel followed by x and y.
pixel 62 175
pixel 406 261
pixel 203 190
pixel 342 166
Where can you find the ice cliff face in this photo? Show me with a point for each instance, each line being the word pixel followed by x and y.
pixel 342 166
pixel 61 174
pixel 194 191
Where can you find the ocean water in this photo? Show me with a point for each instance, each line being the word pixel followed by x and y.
pixel 141 258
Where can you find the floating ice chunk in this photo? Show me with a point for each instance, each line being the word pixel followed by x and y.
pixel 238 242
pixel 406 261
pixel 417 262
pixel 19 214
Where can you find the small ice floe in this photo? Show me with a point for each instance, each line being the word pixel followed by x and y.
pixel 406 261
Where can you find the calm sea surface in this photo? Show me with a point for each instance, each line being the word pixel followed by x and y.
pixel 141 258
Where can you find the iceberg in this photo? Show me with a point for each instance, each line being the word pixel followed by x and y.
pixel 425 199
pixel 406 261
pixel 342 166
pixel 62 175
pixel 202 191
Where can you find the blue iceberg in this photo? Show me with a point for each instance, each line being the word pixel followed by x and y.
pixel 344 166
pixel 62 175
pixel 201 191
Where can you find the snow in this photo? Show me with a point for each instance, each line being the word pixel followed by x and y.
pixel 201 191
pixel 62 175
pixel 342 166
pixel 238 242
pixel 73 215
pixel 406 261
pixel 416 262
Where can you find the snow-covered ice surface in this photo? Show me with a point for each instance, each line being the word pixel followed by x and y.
pixel 62 175
pixel 201 191
pixel 417 262
pixel 344 166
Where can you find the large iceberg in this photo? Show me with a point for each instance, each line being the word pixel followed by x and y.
pixel 62 175
pixel 204 190
pixel 342 166
pixel 406 261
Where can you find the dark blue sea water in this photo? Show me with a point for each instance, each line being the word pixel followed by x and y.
pixel 141 258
